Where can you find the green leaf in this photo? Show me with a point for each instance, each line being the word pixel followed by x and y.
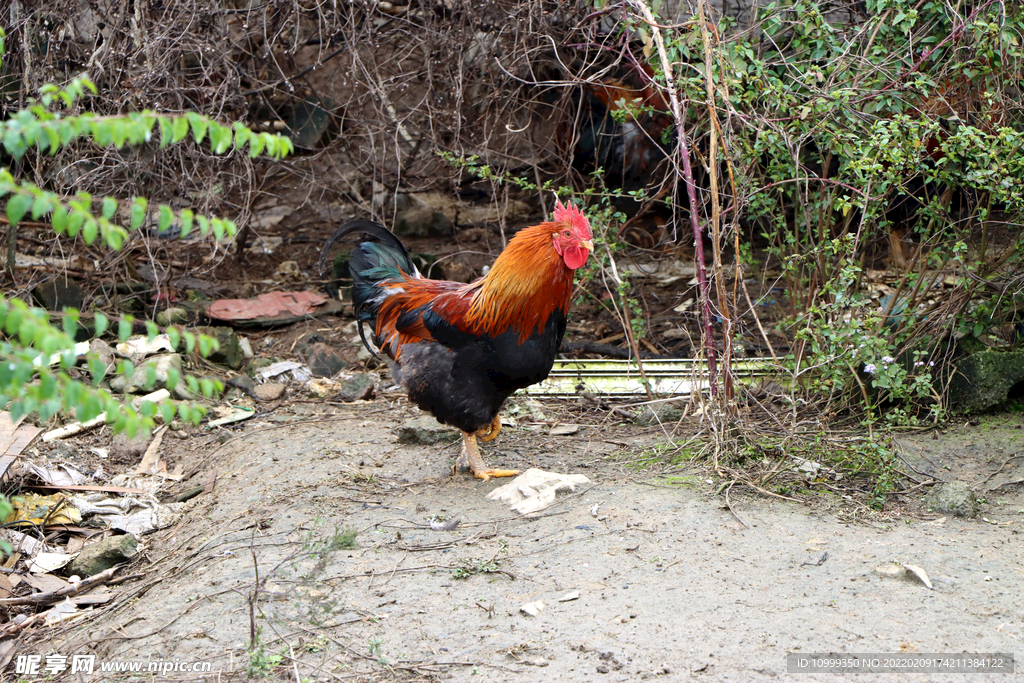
pixel 165 218
pixel 186 222
pixel 199 126
pixel 218 228
pixel 255 146
pixel 151 330
pixel 124 327
pixel 167 412
pixel 97 369
pixel 167 131
pixel 173 376
pixel 114 235
pixel 109 207
pixel 90 230
pixel 54 139
pixel 224 141
pixel 17 207
pixel 101 323
pixel 174 336
pixel 69 321
pixel 204 225
pixel 75 221
pixel 41 205
pixel 150 376
pixel 190 342
pixel 206 385
pixel 102 132
pixel 138 213
pixel 180 128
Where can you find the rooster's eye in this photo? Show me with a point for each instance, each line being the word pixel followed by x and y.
pixel 566 233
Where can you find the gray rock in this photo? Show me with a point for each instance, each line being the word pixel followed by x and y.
pixel 360 387
pixel 171 316
pixel 954 497
pixel 103 555
pixel 137 382
pixel 983 380
pixel 269 392
pixel 426 431
pixel 58 294
pixel 422 221
pixel 126 449
pixel 229 353
pixel 323 361
pixel 660 413
pixel 103 352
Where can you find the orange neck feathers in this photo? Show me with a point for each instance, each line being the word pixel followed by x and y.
pixel 527 283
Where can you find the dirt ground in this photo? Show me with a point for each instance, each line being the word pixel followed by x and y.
pixel 671 584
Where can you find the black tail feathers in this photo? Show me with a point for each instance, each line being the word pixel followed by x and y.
pixel 373 230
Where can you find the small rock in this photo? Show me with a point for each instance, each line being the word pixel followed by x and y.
pixel 359 388
pixel 422 221
pixel 161 365
pixel 602 669
pixel 229 353
pixel 241 380
pixel 103 351
pixel 321 387
pixel 575 595
pixel 243 343
pixel 269 392
pixel 426 431
pixel 59 294
pixel 564 430
pixel 126 449
pixel 288 271
pixel 954 497
pixel 170 316
pixel 532 608
pixel 323 361
pixel 659 414
pixel 103 555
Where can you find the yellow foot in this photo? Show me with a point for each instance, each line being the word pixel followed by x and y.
pixel 470 459
pixel 490 432
pixel 484 475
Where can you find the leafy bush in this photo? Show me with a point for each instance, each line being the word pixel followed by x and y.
pixel 37 359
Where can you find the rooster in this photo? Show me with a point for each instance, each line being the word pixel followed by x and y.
pixel 460 350
pixel 621 128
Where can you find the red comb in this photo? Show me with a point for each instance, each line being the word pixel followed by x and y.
pixel 573 217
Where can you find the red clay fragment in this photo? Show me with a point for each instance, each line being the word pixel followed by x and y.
pixel 269 305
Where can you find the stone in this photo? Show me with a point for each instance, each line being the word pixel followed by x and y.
pixel 161 365
pixel 126 449
pixel 58 294
pixel 103 555
pixel 323 361
pixel 954 497
pixel 321 387
pixel 983 380
pixel 104 353
pixel 269 392
pixel 359 388
pixel 171 316
pixel 660 413
pixel 426 431
pixel 229 353
pixel 423 221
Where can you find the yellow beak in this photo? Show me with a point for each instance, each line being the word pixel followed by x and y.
pixel 588 244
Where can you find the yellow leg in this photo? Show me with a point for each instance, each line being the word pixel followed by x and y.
pixel 490 432
pixel 471 458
